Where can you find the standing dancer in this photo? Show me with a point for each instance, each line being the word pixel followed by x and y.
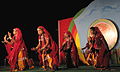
pixel 47 49
pixel 69 49
pixel 100 47
pixel 16 50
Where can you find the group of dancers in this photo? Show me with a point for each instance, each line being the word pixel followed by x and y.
pixel 96 51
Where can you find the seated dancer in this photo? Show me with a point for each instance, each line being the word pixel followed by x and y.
pixel 16 49
pixel 90 54
pixel 47 49
pixel 69 49
pixel 99 47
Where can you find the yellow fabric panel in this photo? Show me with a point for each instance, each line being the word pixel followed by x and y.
pixel 21 63
pixel 81 56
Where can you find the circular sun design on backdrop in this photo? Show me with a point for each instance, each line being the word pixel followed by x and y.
pixel 108 30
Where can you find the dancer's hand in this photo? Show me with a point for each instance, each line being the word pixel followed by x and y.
pixel 22 49
pixel 5 38
pixel 9 34
pixel 33 49
pixel 38 50
pixel 42 49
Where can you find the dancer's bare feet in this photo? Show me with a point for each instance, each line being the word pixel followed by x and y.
pixel 31 67
pixel 45 69
pixel 14 70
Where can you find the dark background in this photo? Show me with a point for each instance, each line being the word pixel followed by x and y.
pixel 29 15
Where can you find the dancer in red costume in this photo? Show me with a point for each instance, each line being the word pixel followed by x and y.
pixel 16 50
pixel 99 47
pixel 47 49
pixel 69 51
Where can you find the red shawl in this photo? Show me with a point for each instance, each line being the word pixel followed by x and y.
pixel 74 52
pixel 53 47
pixel 17 46
pixel 103 54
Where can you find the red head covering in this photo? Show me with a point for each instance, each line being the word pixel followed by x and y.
pixel 17 46
pixel 103 54
pixel 69 33
pixel 74 52
pixel 98 32
pixel 19 33
pixel 54 47
pixel 44 30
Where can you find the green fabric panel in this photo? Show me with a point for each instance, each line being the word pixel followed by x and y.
pixel 78 14
pixel 72 22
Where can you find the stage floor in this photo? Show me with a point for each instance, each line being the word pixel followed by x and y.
pixel 115 68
